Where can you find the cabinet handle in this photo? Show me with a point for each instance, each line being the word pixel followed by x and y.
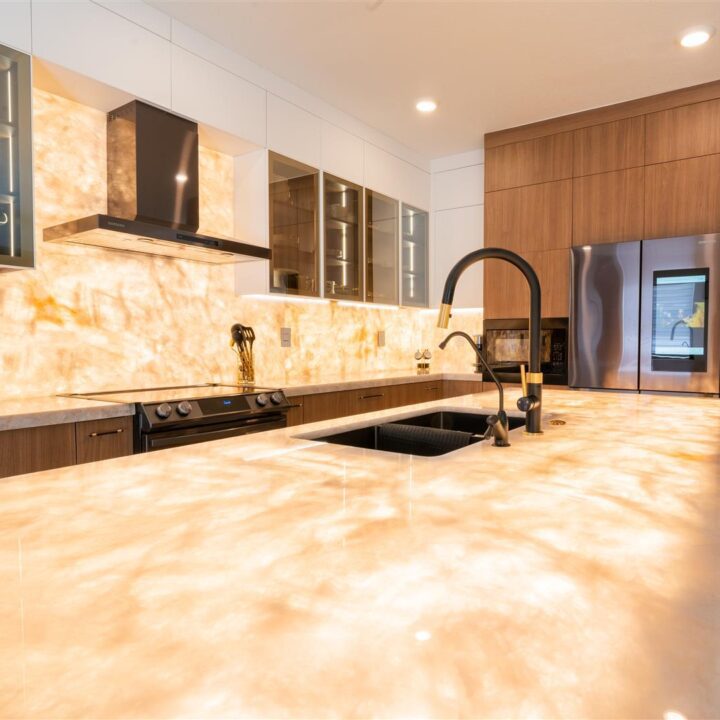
pixel 107 432
pixel 432 388
pixel 368 397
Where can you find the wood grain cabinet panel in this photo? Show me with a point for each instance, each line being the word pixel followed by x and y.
pixel 104 439
pixel 609 146
pixel 532 161
pixel 683 132
pixel 34 449
pixel 608 207
pixel 536 217
pixel 455 388
pixel 296 413
pixel 371 399
pixel 683 197
pixel 506 291
pixel 325 406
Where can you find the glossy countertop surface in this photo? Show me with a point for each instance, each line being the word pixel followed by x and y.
pixel 572 575
pixel 351 381
pixel 17 413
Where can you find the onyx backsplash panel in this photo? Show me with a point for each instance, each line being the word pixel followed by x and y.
pixel 88 319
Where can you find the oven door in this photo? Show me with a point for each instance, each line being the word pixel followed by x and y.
pixel 204 433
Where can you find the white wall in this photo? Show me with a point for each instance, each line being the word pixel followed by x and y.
pixel 457 224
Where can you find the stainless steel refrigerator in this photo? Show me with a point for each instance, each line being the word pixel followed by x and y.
pixel 645 316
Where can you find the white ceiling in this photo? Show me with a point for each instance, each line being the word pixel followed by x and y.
pixel 490 65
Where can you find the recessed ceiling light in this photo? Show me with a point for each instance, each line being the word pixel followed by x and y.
pixel 426 106
pixel 693 37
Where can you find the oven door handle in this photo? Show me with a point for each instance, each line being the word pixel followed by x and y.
pixel 157 442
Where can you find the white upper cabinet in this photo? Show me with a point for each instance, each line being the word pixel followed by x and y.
pixel 391 176
pixel 98 43
pixel 461 187
pixel 293 132
pixel 342 154
pixel 15 25
pixel 208 94
pixel 456 233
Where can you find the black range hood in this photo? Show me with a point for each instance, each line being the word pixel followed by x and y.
pixel 153 193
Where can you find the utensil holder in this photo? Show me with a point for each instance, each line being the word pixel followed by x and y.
pixel 245 367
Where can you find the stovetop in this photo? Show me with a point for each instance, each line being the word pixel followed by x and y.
pixel 173 393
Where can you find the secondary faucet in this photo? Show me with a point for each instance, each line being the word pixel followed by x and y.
pixel 497 424
pixel 531 401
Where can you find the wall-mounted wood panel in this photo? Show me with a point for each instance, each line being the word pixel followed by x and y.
pixel 683 197
pixel 34 449
pixel 610 146
pixel 525 163
pixel 608 113
pixel 683 132
pixel 506 290
pixel 608 207
pixel 535 217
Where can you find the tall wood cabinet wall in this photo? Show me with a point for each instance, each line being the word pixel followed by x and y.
pixel 644 169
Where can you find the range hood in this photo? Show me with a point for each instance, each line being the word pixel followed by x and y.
pixel 153 193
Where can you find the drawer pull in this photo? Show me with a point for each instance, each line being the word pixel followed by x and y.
pixel 107 432
pixel 368 397
pixel 432 388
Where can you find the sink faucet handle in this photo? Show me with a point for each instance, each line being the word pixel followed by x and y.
pixel 523 379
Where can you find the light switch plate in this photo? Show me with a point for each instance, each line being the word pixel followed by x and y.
pixel 381 338
pixel 285 337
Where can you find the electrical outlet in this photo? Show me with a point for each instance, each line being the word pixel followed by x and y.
pixel 285 337
pixel 381 338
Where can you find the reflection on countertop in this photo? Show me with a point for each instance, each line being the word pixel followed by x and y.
pixel 570 575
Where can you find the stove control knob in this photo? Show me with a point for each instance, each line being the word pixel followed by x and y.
pixel 276 398
pixel 261 400
pixel 163 411
pixel 184 408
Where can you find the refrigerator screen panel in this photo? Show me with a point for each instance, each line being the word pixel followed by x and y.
pixel 679 331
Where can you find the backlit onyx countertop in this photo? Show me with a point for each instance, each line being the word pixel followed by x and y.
pixel 572 575
pixel 17 413
pixel 27 412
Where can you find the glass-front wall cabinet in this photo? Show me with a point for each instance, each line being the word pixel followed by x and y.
pixel 343 239
pixel 16 211
pixel 381 248
pixel 294 227
pixel 414 246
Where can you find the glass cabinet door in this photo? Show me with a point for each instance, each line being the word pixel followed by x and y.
pixel 414 256
pixel 343 239
pixel 381 248
pixel 16 211
pixel 293 227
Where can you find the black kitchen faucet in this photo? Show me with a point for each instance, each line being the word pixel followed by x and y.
pixel 531 402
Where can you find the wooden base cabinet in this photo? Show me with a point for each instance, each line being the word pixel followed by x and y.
pixel 330 405
pixel 103 439
pixel 48 447
pixel 39 448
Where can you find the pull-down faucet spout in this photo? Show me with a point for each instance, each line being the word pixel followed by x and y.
pixel 531 402
pixel 497 424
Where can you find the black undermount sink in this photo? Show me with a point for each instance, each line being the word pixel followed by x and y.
pixel 429 434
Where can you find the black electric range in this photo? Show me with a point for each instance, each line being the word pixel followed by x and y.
pixel 182 415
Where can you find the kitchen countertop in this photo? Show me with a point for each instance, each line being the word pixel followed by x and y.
pixel 571 575
pixel 376 379
pixel 17 413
